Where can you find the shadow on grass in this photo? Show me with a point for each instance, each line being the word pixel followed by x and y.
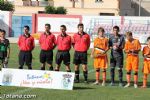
pixel 81 88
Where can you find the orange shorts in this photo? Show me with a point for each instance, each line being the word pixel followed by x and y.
pixel 146 67
pixel 100 62
pixel 132 63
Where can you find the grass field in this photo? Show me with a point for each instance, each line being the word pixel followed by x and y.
pixel 81 91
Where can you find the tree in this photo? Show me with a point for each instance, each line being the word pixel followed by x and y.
pixel 54 10
pixel 61 10
pixel 50 10
pixel 6 6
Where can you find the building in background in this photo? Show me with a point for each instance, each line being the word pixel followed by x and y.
pixel 142 7
pixel 79 7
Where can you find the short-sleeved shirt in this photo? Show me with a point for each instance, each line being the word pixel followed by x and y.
pixel 146 50
pixel 64 42
pixel 26 43
pixel 120 41
pixel 81 42
pixel 100 43
pixel 4 44
pixel 47 42
pixel 134 45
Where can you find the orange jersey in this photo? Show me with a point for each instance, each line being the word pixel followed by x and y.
pixel 146 67
pixel 100 46
pixel 134 45
pixel 132 60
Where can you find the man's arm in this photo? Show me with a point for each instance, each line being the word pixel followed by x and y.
pixel 8 52
pixel 54 42
pixel 122 43
pixel 89 41
pixel 33 44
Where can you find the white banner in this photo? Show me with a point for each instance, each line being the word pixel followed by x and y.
pixel 71 23
pixel 37 79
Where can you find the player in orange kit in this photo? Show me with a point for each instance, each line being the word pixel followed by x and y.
pixel 99 54
pixel 146 67
pixel 132 48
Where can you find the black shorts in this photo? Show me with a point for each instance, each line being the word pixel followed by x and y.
pixel 80 58
pixel 25 57
pixel 63 56
pixel 116 62
pixel 46 56
pixel 3 54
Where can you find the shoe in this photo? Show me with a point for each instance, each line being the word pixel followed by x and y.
pixel 135 86
pixel 86 82
pixel 76 81
pixel 96 83
pixel 103 84
pixel 127 85
pixel 120 84
pixel 112 84
pixel 143 86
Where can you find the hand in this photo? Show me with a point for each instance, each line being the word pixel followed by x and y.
pixel 130 51
pixel 114 47
pixel 104 52
pixel 127 51
pixel 92 56
pixel 146 54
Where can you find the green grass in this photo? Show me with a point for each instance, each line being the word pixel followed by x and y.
pixel 81 91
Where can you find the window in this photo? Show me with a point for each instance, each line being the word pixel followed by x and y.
pixel 98 1
pixel 107 14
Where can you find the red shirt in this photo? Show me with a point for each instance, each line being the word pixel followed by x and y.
pixel 63 42
pixel 81 42
pixel 26 43
pixel 47 42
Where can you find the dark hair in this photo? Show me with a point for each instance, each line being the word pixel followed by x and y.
pixel 116 27
pixel 27 27
pixel 129 33
pixel 48 25
pixel 148 38
pixel 101 29
pixel 63 26
pixel 0 30
pixel 80 24
pixel 3 31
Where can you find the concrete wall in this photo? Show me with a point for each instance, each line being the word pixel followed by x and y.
pixel 145 7
pixel 82 7
pixel 89 11
pixel 126 8
pixel 88 3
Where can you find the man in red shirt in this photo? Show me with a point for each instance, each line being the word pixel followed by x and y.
pixel 81 44
pixel 47 43
pixel 26 45
pixel 63 46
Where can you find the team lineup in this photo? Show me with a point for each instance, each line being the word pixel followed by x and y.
pixel 80 41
